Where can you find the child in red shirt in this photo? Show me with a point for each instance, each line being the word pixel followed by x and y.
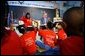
pixel 74 44
pixel 10 44
pixel 49 40
pixel 61 33
pixel 49 37
pixel 28 42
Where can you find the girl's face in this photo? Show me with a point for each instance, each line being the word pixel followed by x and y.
pixel 28 16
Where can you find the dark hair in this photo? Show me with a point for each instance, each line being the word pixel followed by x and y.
pixel 21 28
pixel 30 29
pixel 4 9
pixel 43 27
pixel 27 14
pixel 74 19
pixel 49 24
pixel 60 23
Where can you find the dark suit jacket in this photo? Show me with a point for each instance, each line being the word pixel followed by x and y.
pixel 43 21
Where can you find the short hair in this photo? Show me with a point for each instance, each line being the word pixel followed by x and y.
pixel 43 27
pixel 74 19
pixel 30 29
pixel 49 24
pixel 21 29
pixel 60 23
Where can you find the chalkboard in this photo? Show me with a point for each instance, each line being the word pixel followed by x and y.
pixel 36 13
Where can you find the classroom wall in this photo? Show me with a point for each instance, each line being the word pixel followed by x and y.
pixel 36 13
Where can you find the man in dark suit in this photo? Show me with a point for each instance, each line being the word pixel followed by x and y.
pixel 44 19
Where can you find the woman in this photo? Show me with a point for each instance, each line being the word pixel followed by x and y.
pixel 27 20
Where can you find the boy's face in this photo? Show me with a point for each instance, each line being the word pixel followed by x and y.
pixel 58 26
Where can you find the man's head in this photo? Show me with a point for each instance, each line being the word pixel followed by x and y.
pixel 74 19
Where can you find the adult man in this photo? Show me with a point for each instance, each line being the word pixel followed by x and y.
pixel 44 19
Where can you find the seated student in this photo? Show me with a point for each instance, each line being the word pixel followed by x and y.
pixel 49 39
pixel 10 42
pixel 48 34
pixel 28 42
pixel 74 44
pixel 61 33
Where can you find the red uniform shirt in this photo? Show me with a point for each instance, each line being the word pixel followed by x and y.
pixel 49 37
pixel 73 45
pixel 27 22
pixel 28 42
pixel 61 34
pixel 10 44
